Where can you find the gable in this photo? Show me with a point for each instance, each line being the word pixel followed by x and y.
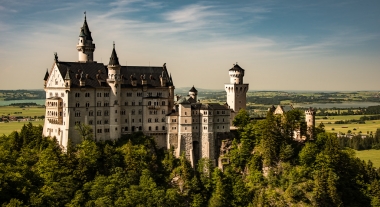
pixel 279 110
pixel 55 79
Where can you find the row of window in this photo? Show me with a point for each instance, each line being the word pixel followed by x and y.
pixel 51 103
pixel 99 104
pixel 205 127
pixel 126 129
pixel 56 94
pixel 156 120
pixel 53 113
pixel 126 121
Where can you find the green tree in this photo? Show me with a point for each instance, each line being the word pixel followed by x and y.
pixel 85 131
pixel 241 119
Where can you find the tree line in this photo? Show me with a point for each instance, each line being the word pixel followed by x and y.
pixel 267 168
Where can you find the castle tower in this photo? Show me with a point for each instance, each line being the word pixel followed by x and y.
pixel 85 46
pixel 114 81
pixel 193 93
pixel 310 122
pixel 236 89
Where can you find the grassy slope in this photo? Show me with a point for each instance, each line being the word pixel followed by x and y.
pixel 7 128
pixel 28 111
pixel 373 155
pixel 370 125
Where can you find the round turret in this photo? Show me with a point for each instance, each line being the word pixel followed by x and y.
pixel 85 46
pixel 236 74
pixel 193 93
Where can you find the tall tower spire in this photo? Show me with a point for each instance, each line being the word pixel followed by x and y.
pixel 114 80
pixel 85 46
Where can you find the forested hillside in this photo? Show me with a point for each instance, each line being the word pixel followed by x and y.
pixel 133 172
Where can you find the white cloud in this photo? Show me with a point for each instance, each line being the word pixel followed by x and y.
pixel 191 13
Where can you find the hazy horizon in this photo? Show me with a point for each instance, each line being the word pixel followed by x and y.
pixel 283 46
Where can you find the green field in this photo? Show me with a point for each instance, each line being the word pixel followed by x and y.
pixel 373 155
pixel 369 126
pixel 7 128
pixel 27 111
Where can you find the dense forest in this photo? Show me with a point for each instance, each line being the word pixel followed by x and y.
pixel 267 168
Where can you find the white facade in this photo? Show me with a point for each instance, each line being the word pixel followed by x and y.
pixel 113 99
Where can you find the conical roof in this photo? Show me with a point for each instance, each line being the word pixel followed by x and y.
pixel 236 67
pixel 86 30
pixel 67 76
pixel 46 75
pixel 193 89
pixel 82 33
pixel 114 60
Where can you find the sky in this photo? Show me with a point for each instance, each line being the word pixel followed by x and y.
pixel 282 45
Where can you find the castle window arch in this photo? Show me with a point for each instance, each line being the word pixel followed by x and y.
pixel 99 113
pixel 133 112
pixel 90 113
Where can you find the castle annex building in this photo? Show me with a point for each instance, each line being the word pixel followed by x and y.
pixel 117 100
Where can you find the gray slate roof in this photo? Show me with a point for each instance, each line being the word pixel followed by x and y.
pixel 114 60
pixel 86 30
pixel 46 75
pixel 96 74
pixel 236 67
pixel 193 89
pixel 79 70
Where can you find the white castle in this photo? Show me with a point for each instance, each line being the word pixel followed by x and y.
pixel 116 100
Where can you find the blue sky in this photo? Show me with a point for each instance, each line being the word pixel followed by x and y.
pixel 282 45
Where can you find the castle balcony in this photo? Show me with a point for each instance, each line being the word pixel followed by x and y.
pixel 55 121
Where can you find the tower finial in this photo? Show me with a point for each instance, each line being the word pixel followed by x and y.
pixel 55 57
pixel 85 15
pixel 113 44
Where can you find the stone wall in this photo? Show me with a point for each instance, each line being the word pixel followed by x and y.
pixel 187 145
pixel 173 140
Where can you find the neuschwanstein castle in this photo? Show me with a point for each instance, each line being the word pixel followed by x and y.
pixel 117 100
